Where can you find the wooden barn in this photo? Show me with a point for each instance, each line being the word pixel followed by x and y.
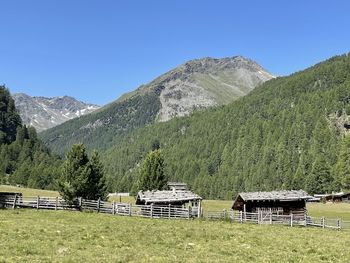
pixel 177 186
pixel 5 197
pixel 334 197
pixel 168 197
pixel 275 202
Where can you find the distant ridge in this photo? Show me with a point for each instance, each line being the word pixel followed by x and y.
pixel 44 113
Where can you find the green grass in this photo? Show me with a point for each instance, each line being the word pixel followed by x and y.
pixel 28 191
pixel 60 236
pixel 330 210
pixel 63 236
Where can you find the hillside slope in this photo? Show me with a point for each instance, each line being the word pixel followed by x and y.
pixel 24 159
pixel 194 85
pixel 44 113
pixel 285 134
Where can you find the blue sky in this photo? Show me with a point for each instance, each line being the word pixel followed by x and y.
pixel 96 50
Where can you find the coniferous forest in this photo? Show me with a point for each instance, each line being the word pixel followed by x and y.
pixel 289 133
pixel 24 159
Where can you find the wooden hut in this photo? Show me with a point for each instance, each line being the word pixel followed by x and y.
pixel 7 197
pixel 177 186
pixel 334 197
pixel 166 197
pixel 275 202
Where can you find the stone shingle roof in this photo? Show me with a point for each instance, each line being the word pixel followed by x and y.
pixel 275 195
pixel 149 197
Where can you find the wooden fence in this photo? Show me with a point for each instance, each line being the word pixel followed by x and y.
pixel 269 218
pixel 114 208
pixel 169 212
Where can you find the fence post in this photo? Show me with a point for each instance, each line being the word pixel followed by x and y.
pixel 291 220
pixel 37 202
pixel 245 213
pixel 189 212
pixel 199 209
pixel 169 215
pixel 241 216
pixel 14 202
pixel 80 200
pixel 98 204
pixel 129 209
pixel 56 202
pixel 338 223
pixel 113 208
pixel 270 216
pixel 323 222
pixel 151 210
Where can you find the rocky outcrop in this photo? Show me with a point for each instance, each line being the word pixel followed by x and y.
pixel 44 113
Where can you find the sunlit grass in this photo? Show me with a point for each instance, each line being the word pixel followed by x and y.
pixel 28 191
pixel 62 236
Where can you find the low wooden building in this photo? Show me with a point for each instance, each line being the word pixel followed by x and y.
pixel 334 197
pixel 275 202
pixel 166 197
pixel 7 197
pixel 177 186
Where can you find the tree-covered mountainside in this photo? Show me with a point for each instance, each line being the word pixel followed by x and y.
pixel 287 133
pixel 24 159
pixel 197 84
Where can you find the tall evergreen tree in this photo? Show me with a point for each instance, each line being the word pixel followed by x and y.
pixel 74 179
pixel 152 175
pixel 342 169
pixel 97 187
pixel 320 179
pixel 82 177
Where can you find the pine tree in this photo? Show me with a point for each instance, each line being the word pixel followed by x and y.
pixel 320 179
pixel 74 179
pixel 343 165
pixel 152 175
pixel 97 187
pixel 82 177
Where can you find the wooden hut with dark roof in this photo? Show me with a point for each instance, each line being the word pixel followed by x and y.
pixel 166 197
pixel 6 196
pixel 275 202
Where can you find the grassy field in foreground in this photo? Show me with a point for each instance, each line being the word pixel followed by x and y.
pixel 62 236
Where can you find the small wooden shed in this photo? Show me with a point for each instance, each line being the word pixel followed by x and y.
pixel 334 197
pixel 5 198
pixel 275 202
pixel 166 197
pixel 177 186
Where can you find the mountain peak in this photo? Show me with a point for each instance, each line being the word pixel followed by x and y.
pixel 44 113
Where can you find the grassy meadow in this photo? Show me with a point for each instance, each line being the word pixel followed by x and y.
pixel 62 236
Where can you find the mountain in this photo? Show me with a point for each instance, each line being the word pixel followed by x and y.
pixel 24 159
pixel 197 84
pixel 44 113
pixel 289 133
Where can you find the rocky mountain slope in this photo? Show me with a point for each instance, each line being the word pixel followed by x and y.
pixel 289 133
pixel 197 84
pixel 44 113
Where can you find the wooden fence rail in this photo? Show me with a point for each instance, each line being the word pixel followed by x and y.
pixel 114 208
pixel 269 218
pixel 169 212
